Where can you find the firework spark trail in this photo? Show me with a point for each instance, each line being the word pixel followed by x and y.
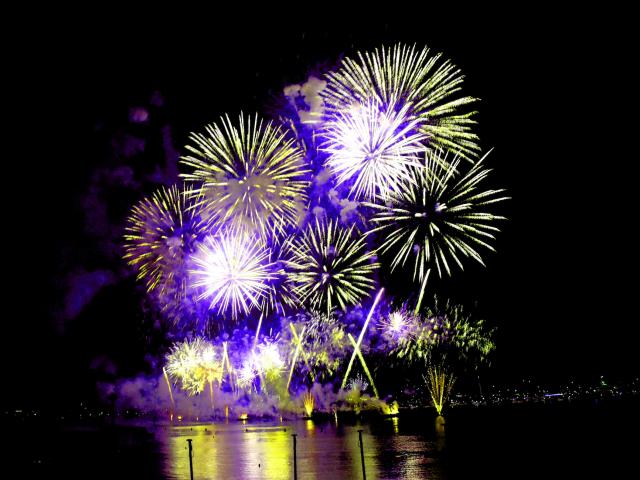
pixel 405 76
pixel 361 336
pixel 298 341
pixel 423 287
pixel 227 363
pixel 255 339
pixel 295 353
pixel 356 349
pixel 330 265
pixel 251 176
pixel 233 272
pixel 166 377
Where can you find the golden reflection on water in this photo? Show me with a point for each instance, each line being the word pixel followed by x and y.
pixel 440 433
pixel 270 452
pixel 237 452
pixel 247 451
pixel 310 426
pixel 394 421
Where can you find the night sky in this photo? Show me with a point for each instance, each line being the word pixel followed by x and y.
pixel 553 105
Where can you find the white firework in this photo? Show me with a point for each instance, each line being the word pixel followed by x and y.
pixel 233 273
pixel 370 146
pixel 415 78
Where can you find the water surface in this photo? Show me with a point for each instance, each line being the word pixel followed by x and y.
pixel 589 440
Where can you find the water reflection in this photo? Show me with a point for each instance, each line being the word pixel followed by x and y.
pixel 440 433
pixel 310 426
pixel 324 450
pixel 394 422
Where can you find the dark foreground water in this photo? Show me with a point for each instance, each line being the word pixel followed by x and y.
pixel 587 440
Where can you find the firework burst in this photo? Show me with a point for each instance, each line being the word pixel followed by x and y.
pixel 233 273
pixel 438 218
pixel 251 176
pixel 370 147
pixel 193 363
pixel 408 77
pixel 357 384
pixel 247 374
pixel 399 324
pixel 161 234
pixel 447 332
pixel 268 361
pixel 449 326
pixel 330 266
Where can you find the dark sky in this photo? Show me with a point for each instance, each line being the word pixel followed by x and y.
pixel 556 107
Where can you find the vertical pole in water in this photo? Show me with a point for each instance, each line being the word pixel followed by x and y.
pixel 190 458
pixel 364 472
pixel 295 460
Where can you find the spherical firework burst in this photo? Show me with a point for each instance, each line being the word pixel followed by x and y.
pixel 251 176
pixel 161 234
pixel 247 373
pixel 330 265
pixel 194 364
pixel 357 384
pixel 406 77
pixel 370 146
pixel 233 271
pixel 399 324
pixel 438 218
pixel 268 361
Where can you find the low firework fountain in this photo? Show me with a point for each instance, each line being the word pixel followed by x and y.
pixel 439 382
pixel 308 402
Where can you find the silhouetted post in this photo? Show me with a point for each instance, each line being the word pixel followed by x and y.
pixel 364 472
pixel 295 460
pixel 190 458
